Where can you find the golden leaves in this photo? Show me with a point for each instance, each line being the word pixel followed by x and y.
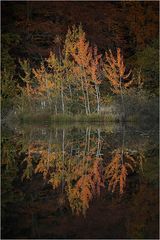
pixel 71 77
pixel 71 39
pixel 55 182
pixel 122 163
pixel 94 65
pixel 79 168
pixel 44 80
pixel 88 180
pixel 115 71
pixel 97 175
pixel 81 53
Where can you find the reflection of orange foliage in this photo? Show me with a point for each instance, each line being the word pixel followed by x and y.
pixel 96 174
pixel 29 159
pixel 117 171
pixel 86 186
pixel 45 162
pixel 81 172
pixel 80 195
pixel 115 71
pixel 55 182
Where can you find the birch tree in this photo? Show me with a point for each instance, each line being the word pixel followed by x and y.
pixel 82 56
pixel 95 76
pixel 115 71
pixel 45 83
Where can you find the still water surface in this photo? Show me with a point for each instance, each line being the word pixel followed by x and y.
pixel 80 181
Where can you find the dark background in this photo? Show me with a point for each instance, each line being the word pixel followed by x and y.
pixel 128 25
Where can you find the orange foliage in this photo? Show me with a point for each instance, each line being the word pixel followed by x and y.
pixel 87 184
pixel 115 71
pixel 45 162
pixel 44 79
pixel 96 174
pixel 117 170
pixel 81 53
pixel 81 194
pixel 94 66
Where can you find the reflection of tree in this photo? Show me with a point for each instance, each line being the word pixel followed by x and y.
pixel 29 169
pixel 117 170
pixel 123 162
pixel 72 162
pixel 83 186
pixel 121 165
pixel 76 164
pixel 80 195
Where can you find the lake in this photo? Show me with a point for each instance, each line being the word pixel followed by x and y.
pixel 80 181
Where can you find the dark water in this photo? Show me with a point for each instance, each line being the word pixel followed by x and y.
pixel 80 181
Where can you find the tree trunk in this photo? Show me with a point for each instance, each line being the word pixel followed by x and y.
pixel 122 100
pixel 28 96
pixel 62 98
pixel 123 143
pixel 48 95
pixel 88 103
pixel 98 98
pixel 98 143
pixel 55 106
pixel 85 102
pixel 63 152
pixel 87 93
pixel 49 150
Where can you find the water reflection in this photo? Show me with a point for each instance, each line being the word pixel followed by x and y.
pixel 74 161
pixel 123 162
pixel 80 163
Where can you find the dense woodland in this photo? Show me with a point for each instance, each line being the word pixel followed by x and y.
pixel 79 57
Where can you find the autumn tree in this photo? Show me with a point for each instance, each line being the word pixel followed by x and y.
pixel 73 83
pixel 115 72
pixel 95 68
pixel 82 57
pixel 86 67
pixel 45 83
pixel 57 69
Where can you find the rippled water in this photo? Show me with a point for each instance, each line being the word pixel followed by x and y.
pixel 80 181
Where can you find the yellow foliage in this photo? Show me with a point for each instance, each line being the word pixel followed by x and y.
pixel 44 80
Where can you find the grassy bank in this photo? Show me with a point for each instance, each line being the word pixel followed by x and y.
pixel 66 118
